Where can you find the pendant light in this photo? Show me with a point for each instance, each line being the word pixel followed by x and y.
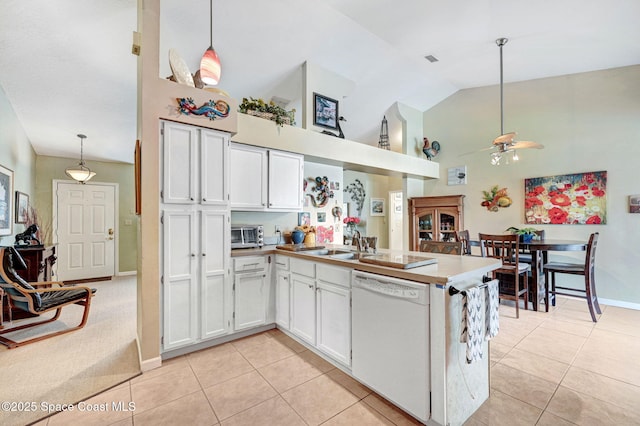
pixel 80 173
pixel 210 64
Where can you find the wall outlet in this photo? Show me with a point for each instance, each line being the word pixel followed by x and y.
pixel 278 229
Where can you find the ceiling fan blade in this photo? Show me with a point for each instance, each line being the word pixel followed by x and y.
pixel 506 138
pixel 526 144
pixel 478 150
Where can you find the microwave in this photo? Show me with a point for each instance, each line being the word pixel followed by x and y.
pixel 247 236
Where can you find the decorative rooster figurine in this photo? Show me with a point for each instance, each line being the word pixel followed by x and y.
pixel 430 150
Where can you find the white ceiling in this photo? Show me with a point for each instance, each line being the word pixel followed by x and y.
pixel 66 65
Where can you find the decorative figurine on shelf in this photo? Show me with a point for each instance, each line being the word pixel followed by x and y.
pixel 28 236
pixel 340 134
pixel 384 135
pixel 430 150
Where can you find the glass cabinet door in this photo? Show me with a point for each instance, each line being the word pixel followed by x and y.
pixel 425 227
pixel 448 226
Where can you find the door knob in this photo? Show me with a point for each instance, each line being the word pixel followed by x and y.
pixel 110 231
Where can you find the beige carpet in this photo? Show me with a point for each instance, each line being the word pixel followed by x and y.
pixel 70 368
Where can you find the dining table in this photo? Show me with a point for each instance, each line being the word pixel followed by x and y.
pixel 539 250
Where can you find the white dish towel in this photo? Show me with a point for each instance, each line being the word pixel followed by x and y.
pixel 492 304
pixel 473 327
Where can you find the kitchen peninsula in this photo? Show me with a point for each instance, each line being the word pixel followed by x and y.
pixel 396 330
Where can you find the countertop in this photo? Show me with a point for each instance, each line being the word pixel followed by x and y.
pixel 449 269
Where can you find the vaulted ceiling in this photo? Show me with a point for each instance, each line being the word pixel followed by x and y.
pixel 66 65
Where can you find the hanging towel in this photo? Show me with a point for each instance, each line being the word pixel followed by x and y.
pixel 473 323
pixel 492 316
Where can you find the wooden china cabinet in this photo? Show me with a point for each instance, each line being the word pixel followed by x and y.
pixel 434 219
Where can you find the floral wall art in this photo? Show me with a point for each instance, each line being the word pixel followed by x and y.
pixel 579 199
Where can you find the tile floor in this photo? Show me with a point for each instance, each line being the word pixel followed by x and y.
pixel 555 368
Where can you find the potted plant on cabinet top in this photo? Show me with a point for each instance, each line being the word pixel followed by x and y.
pixel 270 111
pixel 526 234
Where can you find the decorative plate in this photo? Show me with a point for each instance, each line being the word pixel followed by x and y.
pixel 180 69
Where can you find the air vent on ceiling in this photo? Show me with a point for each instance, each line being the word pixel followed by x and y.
pixel 431 58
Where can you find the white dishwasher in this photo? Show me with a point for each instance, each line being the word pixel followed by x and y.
pixel 390 339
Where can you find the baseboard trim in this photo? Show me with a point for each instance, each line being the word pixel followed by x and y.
pixel 150 364
pixel 619 304
pixel 126 273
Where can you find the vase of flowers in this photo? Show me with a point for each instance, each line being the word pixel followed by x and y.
pixel 351 224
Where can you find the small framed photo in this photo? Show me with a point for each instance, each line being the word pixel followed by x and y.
pixel 377 207
pixel 325 112
pixel 634 203
pixel 304 218
pixel 22 207
pixel 6 201
pixel 322 217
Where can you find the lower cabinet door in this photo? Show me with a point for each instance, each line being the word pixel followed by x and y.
pixel 282 299
pixel 303 308
pixel 334 322
pixel 250 300
pixel 214 318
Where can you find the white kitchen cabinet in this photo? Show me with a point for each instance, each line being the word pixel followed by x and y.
pixel 286 173
pixel 283 291
pixel 263 180
pixel 251 291
pixel 179 278
pixel 214 291
pixel 303 308
pixel 333 302
pixel 196 290
pixel 187 180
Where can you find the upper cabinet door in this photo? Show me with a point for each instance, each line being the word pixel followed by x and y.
pixel 248 177
pixel 214 180
pixel 286 173
pixel 179 182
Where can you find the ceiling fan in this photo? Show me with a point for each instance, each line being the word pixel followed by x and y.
pixel 506 144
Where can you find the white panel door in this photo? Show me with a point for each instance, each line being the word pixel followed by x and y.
pixel 247 177
pixel 215 245
pixel 251 291
pixel 179 175
pixel 214 178
pixel 180 284
pixel 286 173
pixel 85 230
pixel 303 308
pixel 334 322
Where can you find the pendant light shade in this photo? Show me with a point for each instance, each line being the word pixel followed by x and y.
pixel 80 173
pixel 210 68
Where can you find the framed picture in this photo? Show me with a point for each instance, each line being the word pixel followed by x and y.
pixel 22 207
pixel 322 216
pixel 325 112
pixel 377 207
pixel 6 201
pixel 574 199
pixel 634 203
pixel 304 218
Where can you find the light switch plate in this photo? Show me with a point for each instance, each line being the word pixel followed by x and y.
pixel 457 175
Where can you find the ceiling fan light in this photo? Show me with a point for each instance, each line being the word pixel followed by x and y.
pixel 210 67
pixel 495 158
pixel 515 156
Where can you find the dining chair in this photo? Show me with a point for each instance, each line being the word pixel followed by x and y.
pixel 444 247
pixel 507 249
pixel 587 269
pixel 463 237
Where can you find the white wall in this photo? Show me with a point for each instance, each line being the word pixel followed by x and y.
pixel 587 122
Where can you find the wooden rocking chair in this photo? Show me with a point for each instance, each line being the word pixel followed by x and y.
pixel 22 295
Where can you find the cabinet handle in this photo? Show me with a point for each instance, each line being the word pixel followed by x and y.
pixel 285 278
pixel 204 254
pixel 310 285
pixel 191 198
pixel 193 255
pixel 204 199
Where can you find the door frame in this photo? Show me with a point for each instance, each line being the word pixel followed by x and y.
pixel 116 217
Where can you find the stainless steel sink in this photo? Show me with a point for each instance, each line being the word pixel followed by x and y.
pixel 336 254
